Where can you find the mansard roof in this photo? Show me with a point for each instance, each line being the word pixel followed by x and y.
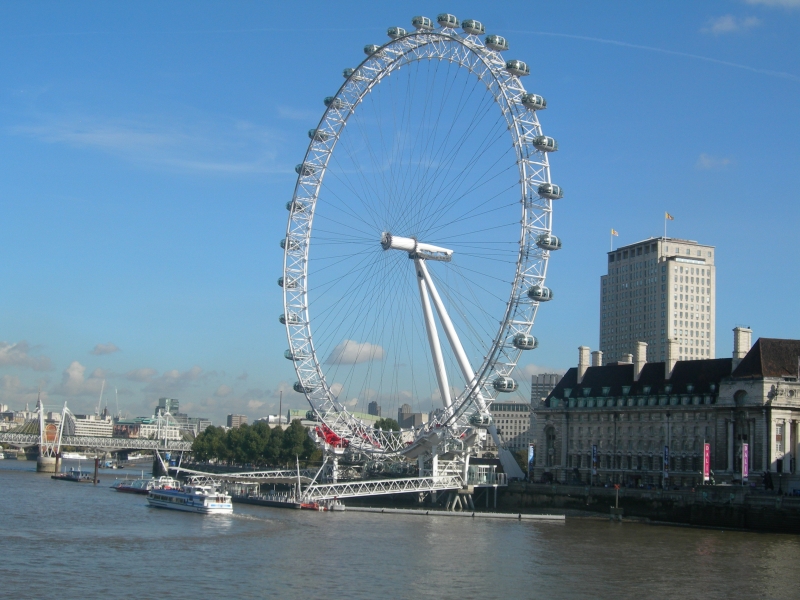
pixel 700 374
pixel 770 357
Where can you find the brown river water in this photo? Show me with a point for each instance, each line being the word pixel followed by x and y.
pixel 68 540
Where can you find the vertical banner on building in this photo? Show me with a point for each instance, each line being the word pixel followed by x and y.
pixel 531 459
pixel 666 462
pixel 745 461
pixel 594 459
pixel 706 462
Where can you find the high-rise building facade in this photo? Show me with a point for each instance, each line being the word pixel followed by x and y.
pixel 236 421
pixel 542 385
pixel 655 290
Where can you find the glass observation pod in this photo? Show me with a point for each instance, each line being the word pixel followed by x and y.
pixel 504 384
pixel 318 136
pixel 551 191
pixel 294 204
pixel 545 143
pixel 292 244
pixel 446 20
pixel 334 102
pixel 548 241
pixel 292 319
pixel 289 283
pixel 524 341
pixel 473 27
pixel 304 169
pixel 518 68
pixel 302 389
pixel 289 355
pixel 540 293
pixel 478 420
pixel 396 32
pixel 497 42
pixel 422 23
pixel 534 102
pixel 371 49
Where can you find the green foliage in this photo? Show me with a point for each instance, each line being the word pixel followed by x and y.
pixel 521 456
pixel 387 424
pixel 258 445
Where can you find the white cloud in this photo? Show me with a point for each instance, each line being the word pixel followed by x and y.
pixel 14 393
pixel 101 349
pixel 730 24
pixel 254 404
pixel 350 352
pixel 17 355
pixel 227 147
pixel 243 376
pixel 141 375
pixel 223 391
pixel 775 3
pixel 75 383
pixel 706 162
pixel 171 382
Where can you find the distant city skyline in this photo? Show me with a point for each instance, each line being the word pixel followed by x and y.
pixel 148 153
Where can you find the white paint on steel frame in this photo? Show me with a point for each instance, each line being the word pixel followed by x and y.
pixel 468 52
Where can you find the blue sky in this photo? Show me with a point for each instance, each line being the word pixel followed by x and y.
pixel 148 151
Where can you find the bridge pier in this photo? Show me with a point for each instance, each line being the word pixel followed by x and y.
pixel 47 464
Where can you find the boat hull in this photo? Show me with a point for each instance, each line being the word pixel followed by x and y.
pixel 221 508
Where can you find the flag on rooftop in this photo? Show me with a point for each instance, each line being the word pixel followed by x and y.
pixel 614 232
pixel 669 216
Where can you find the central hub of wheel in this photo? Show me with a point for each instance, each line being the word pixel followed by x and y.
pixel 415 249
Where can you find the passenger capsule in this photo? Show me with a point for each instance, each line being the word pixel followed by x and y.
pixel 334 102
pixel 302 389
pixel 304 169
pixel 292 319
pixel 295 205
pixel 545 143
pixel 534 102
pixel 292 244
pixel 288 284
pixel 289 355
pixel 473 27
pixel 540 293
pixel 496 42
pixel 550 191
pixel 518 68
pixel 445 20
pixel 371 49
pixel 504 384
pixel 396 32
pixel 348 73
pixel 523 341
pixel 548 241
pixel 479 420
pixel 422 23
pixel 318 135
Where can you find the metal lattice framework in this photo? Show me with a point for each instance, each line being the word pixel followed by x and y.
pixel 501 80
pixel 379 487
pixel 101 443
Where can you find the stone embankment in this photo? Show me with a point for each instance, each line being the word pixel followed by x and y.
pixel 706 506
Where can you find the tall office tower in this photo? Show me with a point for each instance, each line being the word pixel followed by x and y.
pixel 542 385
pixel 655 290
pixel 374 409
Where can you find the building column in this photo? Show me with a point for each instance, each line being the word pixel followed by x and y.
pixel 773 465
pixel 730 446
pixel 564 443
pixel 796 446
pixel 764 442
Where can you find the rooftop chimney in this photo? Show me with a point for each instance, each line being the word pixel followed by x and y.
pixel 742 340
pixel 583 361
pixel 597 358
pixel 627 359
pixel 641 359
pixel 672 357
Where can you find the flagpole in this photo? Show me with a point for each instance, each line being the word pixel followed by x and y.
pixel 611 240
pixel 665 226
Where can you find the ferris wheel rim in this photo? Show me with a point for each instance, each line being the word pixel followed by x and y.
pixel 311 378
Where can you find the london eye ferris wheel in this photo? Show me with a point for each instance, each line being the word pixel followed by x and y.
pixel 419 235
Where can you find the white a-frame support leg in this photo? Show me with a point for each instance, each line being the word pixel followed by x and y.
pixel 433 336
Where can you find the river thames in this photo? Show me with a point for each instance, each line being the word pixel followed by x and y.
pixel 67 540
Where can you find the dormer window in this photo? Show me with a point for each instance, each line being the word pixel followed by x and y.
pixel 586 391
pixel 690 388
pixel 713 387
pixel 646 389
pixel 625 390
pixel 567 392
pixel 668 388
pixel 606 390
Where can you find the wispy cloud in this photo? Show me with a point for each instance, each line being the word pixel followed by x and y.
pixel 232 147
pixel 775 3
pixel 101 349
pixel 730 24
pixel 141 375
pixel 18 355
pixel 174 381
pixel 350 352
pixel 298 114
pixel 75 383
pixel 706 162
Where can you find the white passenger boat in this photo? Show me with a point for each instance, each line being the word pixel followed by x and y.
pixel 205 499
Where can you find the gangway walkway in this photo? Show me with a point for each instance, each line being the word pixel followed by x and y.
pixel 378 487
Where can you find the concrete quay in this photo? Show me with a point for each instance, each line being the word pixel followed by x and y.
pixel 730 507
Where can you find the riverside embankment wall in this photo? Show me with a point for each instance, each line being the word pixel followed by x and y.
pixel 707 506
